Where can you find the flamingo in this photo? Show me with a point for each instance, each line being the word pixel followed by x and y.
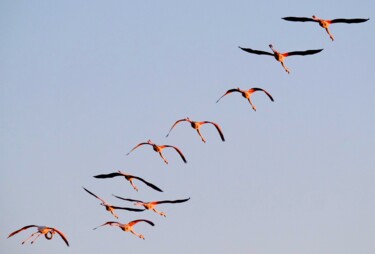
pixel 48 233
pixel 127 227
pixel 325 23
pixel 281 56
pixel 197 126
pixel 247 94
pixel 159 149
pixel 129 178
pixel 110 208
pixel 151 205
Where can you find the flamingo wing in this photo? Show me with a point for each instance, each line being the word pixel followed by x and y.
pixel 111 223
pixel 128 209
pixel 132 223
pixel 63 236
pixel 260 89
pixel 140 144
pixel 179 152
pixel 302 53
pixel 171 201
pixel 21 229
pixel 348 21
pixel 299 19
pixel 217 128
pixel 129 199
pixel 93 194
pixel 147 183
pixel 108 175
pixel 258 52
pixel 228 92
pixel 178 121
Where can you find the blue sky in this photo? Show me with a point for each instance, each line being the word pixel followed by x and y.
pixel 83 82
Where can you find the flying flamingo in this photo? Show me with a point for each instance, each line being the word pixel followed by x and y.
pixel 281 56
pixel 110 208
pixel 151 205
pixel 197 126
pixel 127 227
pixel 48 233
pixel 247 94
pixel 159 149
pixel 325 23
pixel 129 178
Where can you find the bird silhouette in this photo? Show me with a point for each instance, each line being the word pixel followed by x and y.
pixel 247 94
pixel 127 227
pixel 197 125
pixel 128 177
pixel 110 208
pixel 151 205
pixel 280 57
pixel 159 149
pixel 48 233
pixel 325 23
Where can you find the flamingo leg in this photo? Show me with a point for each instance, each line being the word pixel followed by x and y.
pixel 199 133
pixel 252 105
pixel 161 155
pixel 138 235
pixel 158 212
pixel 135 187
pixel 112 211
pixel 35 238
pixel 30 237
pixel 330 35
pixel 285 68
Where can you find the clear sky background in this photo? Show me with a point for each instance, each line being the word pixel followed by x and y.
pixel 83 82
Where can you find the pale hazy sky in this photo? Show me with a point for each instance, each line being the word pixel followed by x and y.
pixel 82 82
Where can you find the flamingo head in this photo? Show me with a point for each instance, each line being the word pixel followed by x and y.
pixel 149 141
pixel 49 234
pixel 271 46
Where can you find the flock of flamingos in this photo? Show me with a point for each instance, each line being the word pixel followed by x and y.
pixel 49 232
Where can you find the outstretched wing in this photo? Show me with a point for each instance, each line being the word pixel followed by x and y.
pixel 228 92
pixel 171 201
pixel 128 199
pixel 181 120
pixel 111 223
pixel 179 152
pixel 140 144
pixel 302 53
pixel 108 175
pixel 132 223
pixel 260 89
pixel 258 52
pixel 128 209
pixel 62 236
pixel 93 194
pixel 299 19
pixel 21 229
pixel 348 21
pixel 217 128
pixel 147 183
